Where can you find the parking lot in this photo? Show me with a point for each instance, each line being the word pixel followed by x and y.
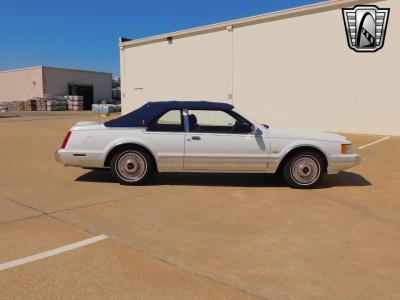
pixel 193 236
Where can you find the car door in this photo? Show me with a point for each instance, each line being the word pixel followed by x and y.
pixel 166 135
pixel 222 141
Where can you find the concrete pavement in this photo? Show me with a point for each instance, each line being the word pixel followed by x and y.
pixel 195 236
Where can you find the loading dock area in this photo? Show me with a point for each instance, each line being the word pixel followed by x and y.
pixel 47 82
pixel 193 236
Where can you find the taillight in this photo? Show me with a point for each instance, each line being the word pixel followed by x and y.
pixel 66 140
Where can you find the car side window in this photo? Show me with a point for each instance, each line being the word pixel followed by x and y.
pixel 170 121
pixel 217 121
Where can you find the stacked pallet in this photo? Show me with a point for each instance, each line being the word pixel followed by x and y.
pixel 76 105
pixel 105 108
pixel 76 98
pixel 6 106
pixel 20 105
pixel 9 106
pixel 117 108
pixel 12 106
pixel 30 105
pixel 56 105
pixel 74 102
pixel 62 104
pixel 41 104
pixel 51 105
pixel 16 106
pixel 45 103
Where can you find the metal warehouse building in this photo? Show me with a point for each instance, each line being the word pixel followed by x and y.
pixel 24 84
pixel 288 68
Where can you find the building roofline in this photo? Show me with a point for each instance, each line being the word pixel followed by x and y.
pixel 21 69
pixel 76 70
pixel 55 68
pixel 267 17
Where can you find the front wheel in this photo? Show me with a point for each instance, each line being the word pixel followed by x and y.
pixel 131 167
pixel 304 170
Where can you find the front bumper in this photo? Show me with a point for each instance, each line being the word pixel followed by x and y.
pixel 342 162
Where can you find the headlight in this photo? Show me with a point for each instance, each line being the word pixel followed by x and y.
pixel 347 149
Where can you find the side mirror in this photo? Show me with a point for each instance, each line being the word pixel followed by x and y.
pixel 255 131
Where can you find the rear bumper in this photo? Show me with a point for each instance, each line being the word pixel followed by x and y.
pixel 342 162
pixel 57 156
pixel 88 160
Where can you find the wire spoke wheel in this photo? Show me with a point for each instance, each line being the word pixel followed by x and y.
pixel 305 170
pixel 131 166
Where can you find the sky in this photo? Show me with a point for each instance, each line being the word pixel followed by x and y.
pixel 84 34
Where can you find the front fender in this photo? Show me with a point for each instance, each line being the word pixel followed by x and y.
pixel 281 147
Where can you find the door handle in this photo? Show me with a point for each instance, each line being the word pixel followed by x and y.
pixel 196 138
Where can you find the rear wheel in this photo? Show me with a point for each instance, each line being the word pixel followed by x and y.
pixel 304 170
pixel 131 166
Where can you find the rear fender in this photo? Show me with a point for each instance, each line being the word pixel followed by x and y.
pixel 128 141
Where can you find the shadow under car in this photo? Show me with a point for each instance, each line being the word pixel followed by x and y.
pixel 227 180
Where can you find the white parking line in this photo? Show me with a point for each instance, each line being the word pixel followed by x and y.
pixel 28 259
pixel 373 143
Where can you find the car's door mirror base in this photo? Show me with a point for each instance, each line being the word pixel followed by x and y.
pixel 255 130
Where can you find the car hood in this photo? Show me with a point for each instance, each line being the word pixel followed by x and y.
pixel 291 133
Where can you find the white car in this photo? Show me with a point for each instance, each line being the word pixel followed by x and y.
pixel 203 136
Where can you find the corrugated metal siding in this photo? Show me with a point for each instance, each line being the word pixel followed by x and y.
pixel 20 85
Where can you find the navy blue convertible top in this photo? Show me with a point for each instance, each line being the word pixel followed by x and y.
pixel 145 114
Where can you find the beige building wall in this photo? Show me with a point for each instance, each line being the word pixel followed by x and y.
pixel 300 72
pixel 20 85
pixel 23 84
pixel 56 82
pixel 191 68
pixel 291 69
